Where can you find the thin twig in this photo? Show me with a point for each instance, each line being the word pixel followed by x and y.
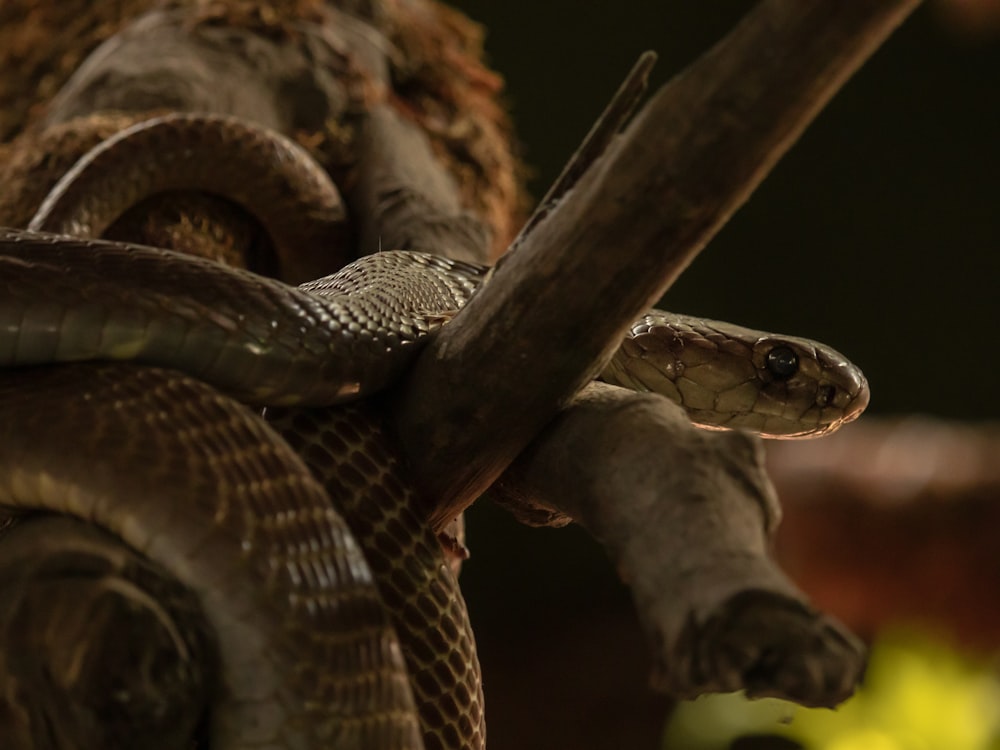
pixel 596 142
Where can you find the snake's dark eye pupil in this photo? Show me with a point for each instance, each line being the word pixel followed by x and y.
pixel 782 362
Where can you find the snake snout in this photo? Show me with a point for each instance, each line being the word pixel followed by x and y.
pixel 842 394
pixel 857 394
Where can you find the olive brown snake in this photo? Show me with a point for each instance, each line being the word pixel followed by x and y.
pixel 329 341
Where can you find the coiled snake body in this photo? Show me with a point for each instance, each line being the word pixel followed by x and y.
pixel 256 506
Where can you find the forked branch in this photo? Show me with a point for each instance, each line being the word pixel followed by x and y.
pixel 556 308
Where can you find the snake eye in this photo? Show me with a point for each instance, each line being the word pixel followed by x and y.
pixel 782 362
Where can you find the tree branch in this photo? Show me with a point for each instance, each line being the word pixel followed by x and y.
pixel 555 309
pixel 686 515
pixel 596 142
pixel 410 201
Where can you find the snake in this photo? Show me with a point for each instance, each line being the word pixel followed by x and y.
pixel 145 331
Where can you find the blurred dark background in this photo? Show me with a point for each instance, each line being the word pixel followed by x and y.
pixel 878 234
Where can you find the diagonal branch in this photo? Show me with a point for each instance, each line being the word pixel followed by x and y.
pixel 555 309
pixel 618 112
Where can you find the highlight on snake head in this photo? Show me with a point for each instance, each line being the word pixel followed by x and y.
pixel 730 377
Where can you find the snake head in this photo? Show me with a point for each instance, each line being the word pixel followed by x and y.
pixel 729 377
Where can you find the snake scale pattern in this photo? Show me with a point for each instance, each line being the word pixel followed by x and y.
pixel 338 618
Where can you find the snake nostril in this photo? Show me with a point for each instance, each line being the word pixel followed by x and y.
pixel 825 395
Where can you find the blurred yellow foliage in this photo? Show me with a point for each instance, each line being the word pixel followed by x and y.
pixel 918 695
